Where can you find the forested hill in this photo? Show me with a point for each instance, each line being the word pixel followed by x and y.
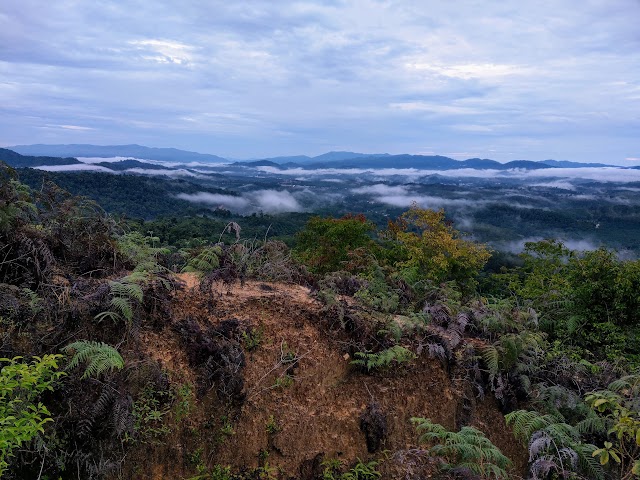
pixel 17 161
pixel 133 195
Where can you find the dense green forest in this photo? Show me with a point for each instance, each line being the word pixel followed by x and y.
pixel 504 213
pixel 553 336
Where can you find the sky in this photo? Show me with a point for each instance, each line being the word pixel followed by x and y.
pixel 252 79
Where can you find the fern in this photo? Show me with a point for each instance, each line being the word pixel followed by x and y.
pixel 98 357
pixel 128 288
pixel 513 354
pixel 123 293
pixel 554 446
pixel 491 358
pixel 466 450
pixel 204 262
pixel 33 300
pixel 594 424
pixel 362 471
pixel 393 355
pixel 629 383
pixel 526 422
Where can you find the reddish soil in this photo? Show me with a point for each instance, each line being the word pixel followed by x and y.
pixel 318 412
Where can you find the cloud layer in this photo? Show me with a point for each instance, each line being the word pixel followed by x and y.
pixel 268 201
pixel 503 80
pixel 542 177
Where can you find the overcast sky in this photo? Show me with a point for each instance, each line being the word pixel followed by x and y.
pixel 493 79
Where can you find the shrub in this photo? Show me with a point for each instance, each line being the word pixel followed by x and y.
pixel 331 244
pixel 22 417
pixel 465 451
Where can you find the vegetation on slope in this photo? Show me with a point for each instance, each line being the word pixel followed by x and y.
pixel 553 341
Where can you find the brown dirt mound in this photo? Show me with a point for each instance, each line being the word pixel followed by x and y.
pixel 304 400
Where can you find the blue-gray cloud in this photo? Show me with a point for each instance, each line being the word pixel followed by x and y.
pixel 252 78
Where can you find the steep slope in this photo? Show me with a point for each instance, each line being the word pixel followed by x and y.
pixel 304 400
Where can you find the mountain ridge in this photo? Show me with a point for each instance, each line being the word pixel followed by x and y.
pixel 110 151
pixel 17 160
pixel 331 159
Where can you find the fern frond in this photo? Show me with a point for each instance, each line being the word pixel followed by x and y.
pixel 594 424
pixel 98 357
pixel 466 450
pixel 126 288
pixel 434 430
pixel 206 261
pixel 526 422
pixel 393 355
pixel 628 382
pixel 123 306
pixel 491 358
pixel 574 323
pixel 589 465
pixel 141 274
pixel 108 314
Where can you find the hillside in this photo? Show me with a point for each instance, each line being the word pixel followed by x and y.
pixel 315 400
pixel 361 353
pixel 19 161
pixel 132 195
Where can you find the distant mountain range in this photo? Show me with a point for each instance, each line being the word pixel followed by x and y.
pixel 568 164
pixel 49 155
pixel 325 157
pixel 110 151
pixel 19 161
pixel 420 162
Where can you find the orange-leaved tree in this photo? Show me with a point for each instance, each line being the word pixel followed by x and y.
pixel 424 246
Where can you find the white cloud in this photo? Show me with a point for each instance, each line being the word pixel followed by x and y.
pixel 381 189
pixel 274 201
pixel 91 160
pixel 69 127
pixel 78 167
pixel 216 200
pixel 268 201
pixel 441 109
pixel 473 70
pixel 517 246
pixel 601 174
pixel 159 171
pixel 427 201
pixel 563 184
pixel 165 51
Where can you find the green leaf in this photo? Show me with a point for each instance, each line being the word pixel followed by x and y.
pixel 604 457
pixel 615 456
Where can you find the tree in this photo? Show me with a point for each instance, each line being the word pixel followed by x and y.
pixel 424 246
pixel 586 299
pixel 332 244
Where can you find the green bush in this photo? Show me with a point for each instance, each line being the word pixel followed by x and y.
pixel 22 416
